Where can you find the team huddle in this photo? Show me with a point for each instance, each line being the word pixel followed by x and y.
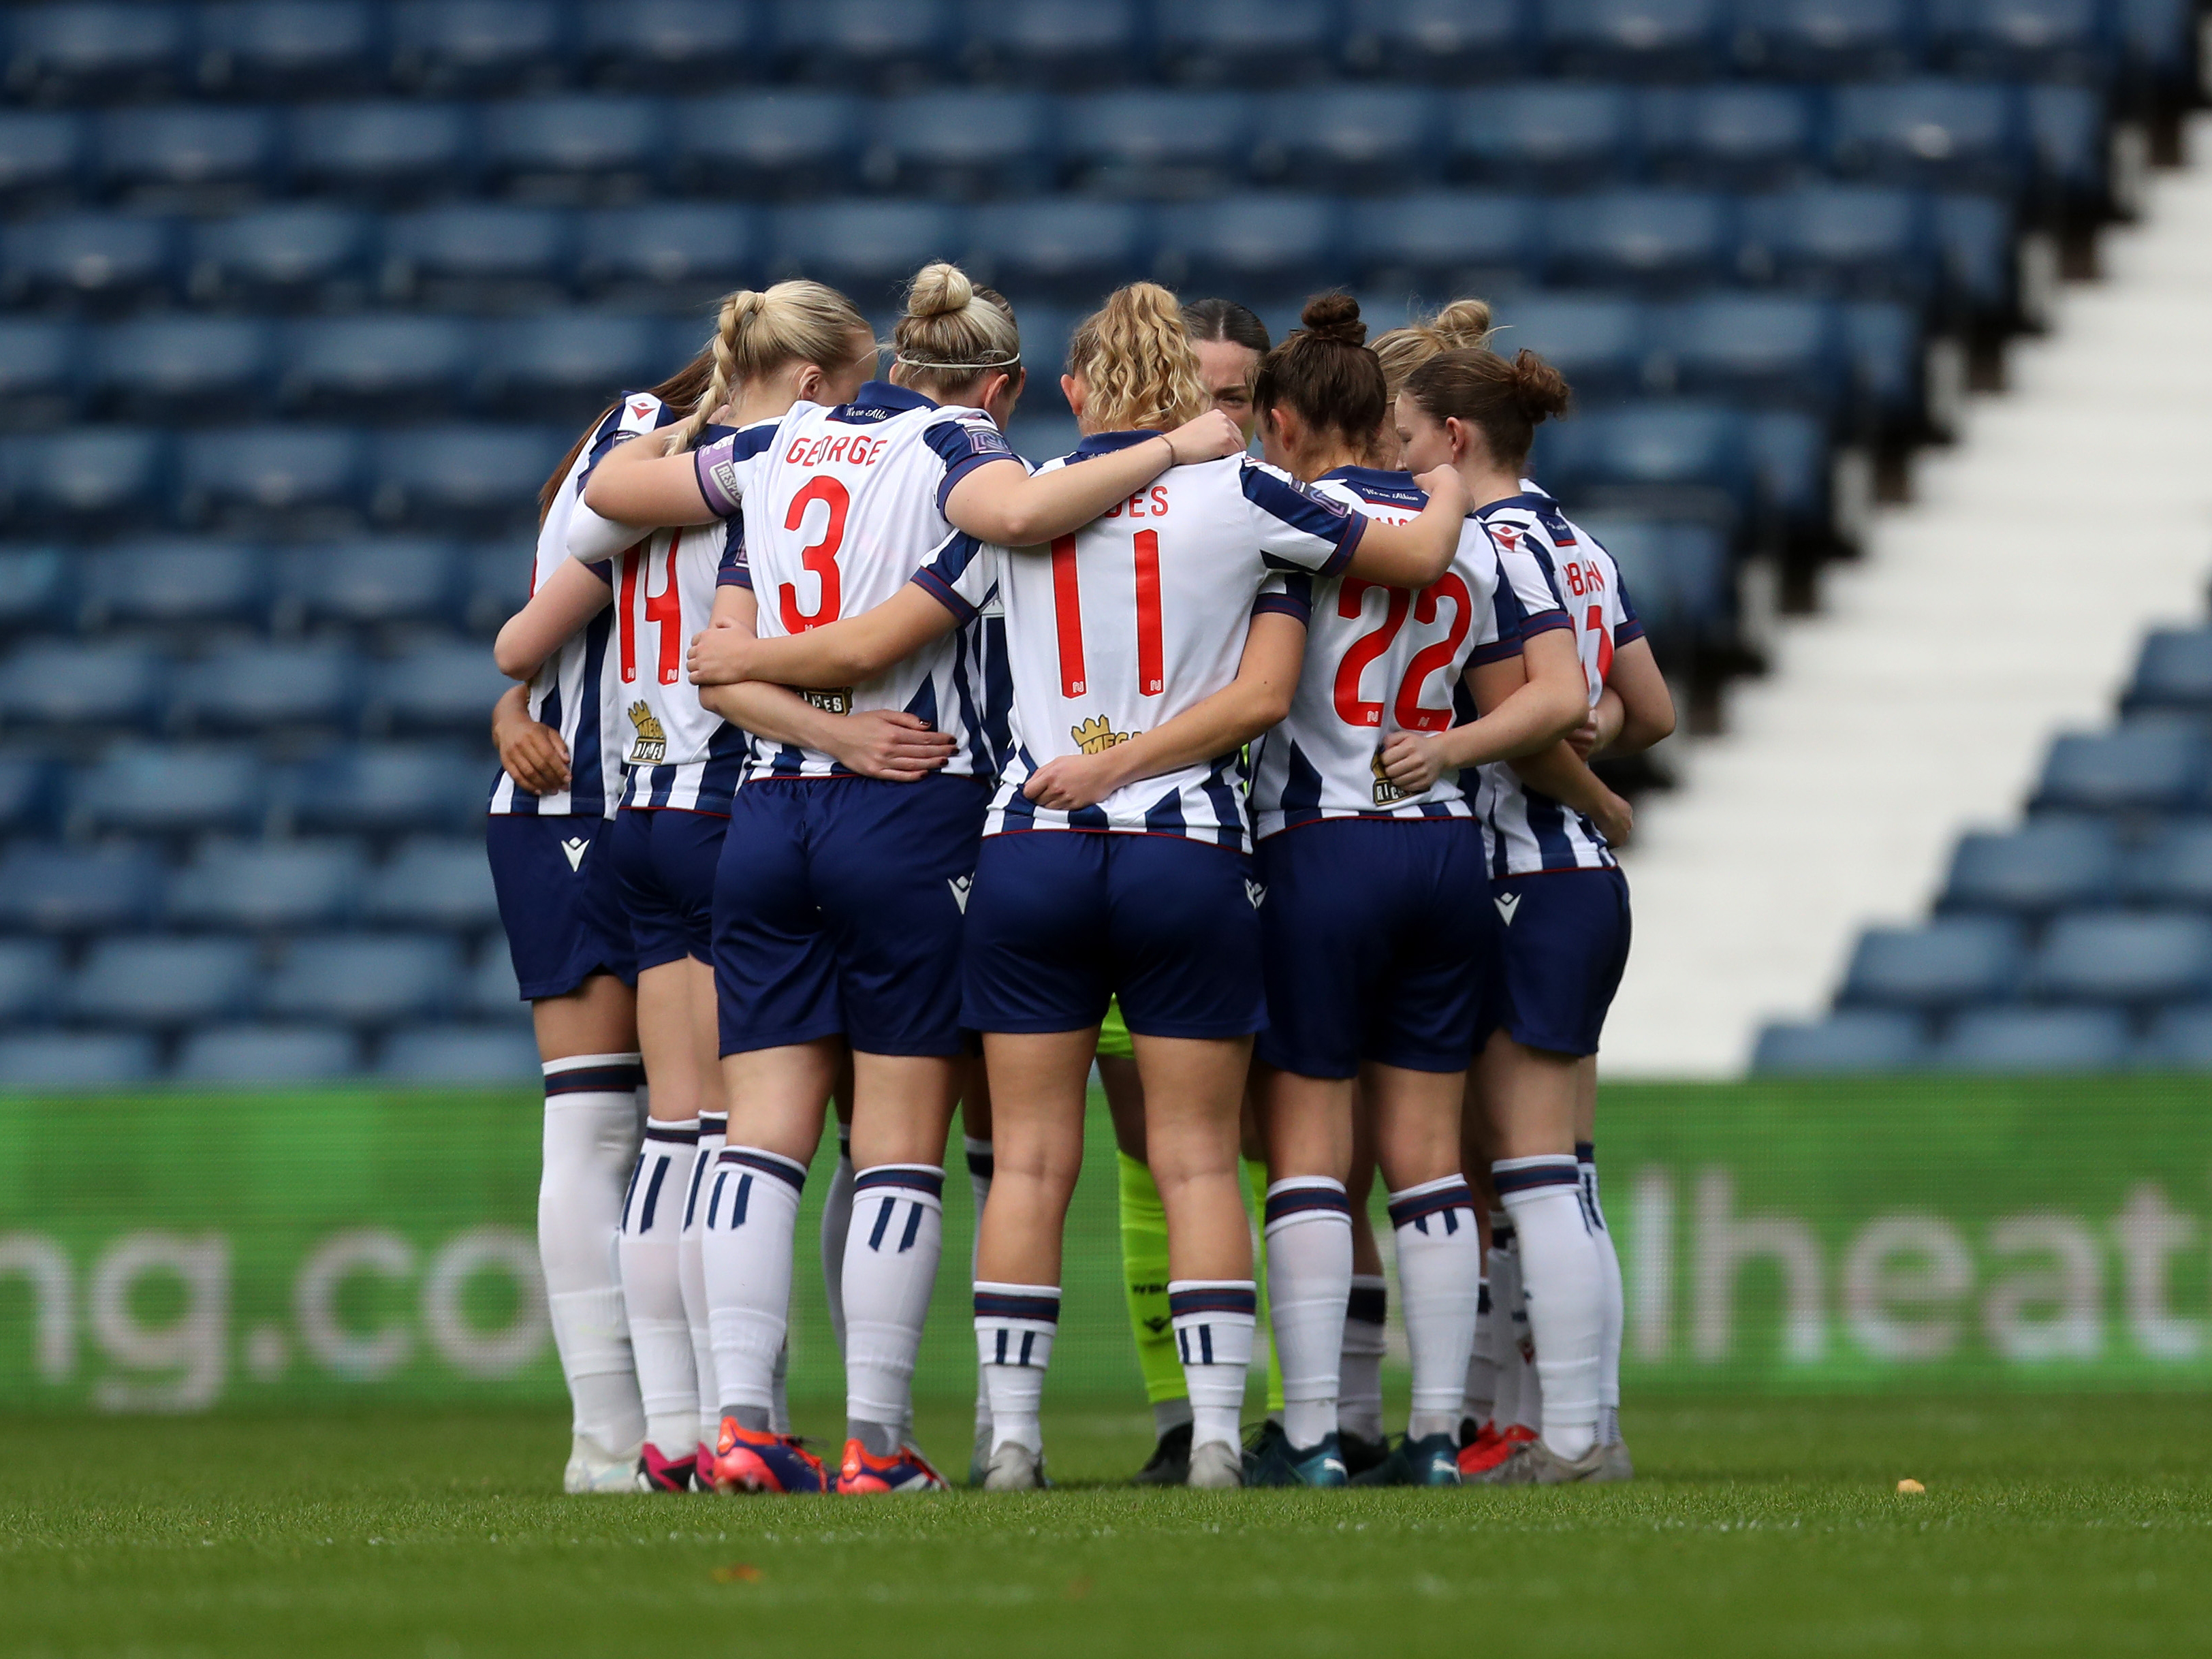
pixel 862 766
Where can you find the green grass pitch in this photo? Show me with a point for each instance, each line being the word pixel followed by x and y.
pixel 2057 1527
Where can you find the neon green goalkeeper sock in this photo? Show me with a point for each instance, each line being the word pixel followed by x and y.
pixel 1144 1277
pixel 1255 1194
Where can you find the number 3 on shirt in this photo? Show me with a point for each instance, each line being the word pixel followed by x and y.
pixel 820 558
pixel 1067 617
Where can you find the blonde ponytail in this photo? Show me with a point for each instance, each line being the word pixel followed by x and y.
pixel 1462 325
pixel 1134 356
pixel 952 334
pixel 759 332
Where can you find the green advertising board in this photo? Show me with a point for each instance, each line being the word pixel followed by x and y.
pixel 176 1251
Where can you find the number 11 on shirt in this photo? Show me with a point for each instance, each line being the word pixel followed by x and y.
pixel 1067 617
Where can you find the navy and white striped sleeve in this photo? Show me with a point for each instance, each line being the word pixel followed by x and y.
pixel 638 412
pixel 1630 626
pixel 963 443
pixel 1532 586
pixel 963 577
pixel 1297 528
pixel 735 570
pixel 1501 639
pixel 718 466
pixel 1287 593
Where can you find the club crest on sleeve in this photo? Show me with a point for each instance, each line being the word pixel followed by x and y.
pixel 652 745
pixel 1257 891
pixel 575 847
pixel 1507 904
pixel 961 885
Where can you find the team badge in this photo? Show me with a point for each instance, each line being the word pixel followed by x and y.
pixel 1255 891
pixel 839 702
pixel 1507 904
pixel 1096 735
pixel 1387 793
pixel 575 847
pixel 652 745
pixel 960 886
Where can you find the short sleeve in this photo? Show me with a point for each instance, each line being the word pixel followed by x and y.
pixel 639 411
pixel 735 570
pixel 1630 626
pixel 1298 528
pixel 963 444
pixel 1287 593
pixel 962 577
pixel 1531 589
pixel 1498 635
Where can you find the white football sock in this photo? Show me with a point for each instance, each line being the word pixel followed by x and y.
pixel 653 1288
pixel 1014 1327
pixel 1560 1283
pixel 1439 1280
pixel 692 1275
pixel 591 1139
pixel 1214 1321
pixel 1519 1402
pixel 1309 1240
pixel 981 1161
pixel 752 1213
pixel 779 1405
pixel 836 1223
pixel 1608 1261
pixel 890 1268
pixel 1481 1400
pixel 1366 1340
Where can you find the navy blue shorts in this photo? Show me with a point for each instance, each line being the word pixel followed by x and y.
pixel 665 860
pixel 1378 933
pixel 1061 919
pixel 1565 944
pixel 837 910
pixel 556 881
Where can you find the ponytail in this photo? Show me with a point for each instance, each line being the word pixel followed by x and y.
pixel 953 333
pixel 1507 399
pixel 1325 372
pixel 1134 356
pixel 759 332
pixel 1462 325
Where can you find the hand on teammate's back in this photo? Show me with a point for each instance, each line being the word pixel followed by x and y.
pixel 888 743
pixel 1583 739
pixel 1208 438
pixel 1072 782
pixel 532 754
pixel 1445 485
pixel 717 656
pixel 1412 762
pixel 1615 819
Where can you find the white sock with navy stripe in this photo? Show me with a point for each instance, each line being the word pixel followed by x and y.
pixel 836 1223
pixel 1366 1339
pixel 981 1161
pixel 653 1287
pixel 591 1139
pixel 1518 1399
pixel 1440 1280
pixel 1308 1238
pixel 691 1274
pixel 1608 1262
pixel 1014 1327
pixel 1481 1399
pixel 890 1267
pixel 1214 1321
pixel 753 1214
pixel 1561 1285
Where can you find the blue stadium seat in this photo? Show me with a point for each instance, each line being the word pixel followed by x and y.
pixel 436 689
pixel 41 156
pixel 1950 962
pixel 1246 43
pixel 669 255
pixel 84 54
pixel 75 1061
pixel 2145 765
pixel 1856 1040
pixel 55 890
pixel 1679 576
pixel 2028 39
pixel 1069 43
pixel 459 1054
pixel 250 688
pixel 290 48
pixel 1891 357
pixel 1773 349
pixel 256 887
pixel 171 789
pixel 890 43
pixel 303 255
pixel 1257 245
pixel 1545 135
pixel 37 589
pixel 2050 864
pixel 161 983
pixel 1946 135
pixel 41 373
pixel 2123 956
pixel 182 584
pixel 1653 240
pixel 2037 1040
pixel 1454 41
pixel 268 1055
pixel 570 366
pixel 30 976
pixel 1974 237
pixel 466 478
pixel 101 261
pixel 382 149
pixel 2181 1039
pixel 498 586
pixel 778 142
pixel 575 148
pixel 1831 39
pixel 1791 461
pixel 2156 35
pixel 1604 345
pixel 1356 139
pixel 1638 39
pixel 188 155
pixel 1663 458
pixel 369 584
pixel 490 993
pixel 86 479
pixel 667 44
pixel 26 794
pixel 2175 671
pixel 277 478
pixel 361 980
pixel 1850 241
pixel 1445 242
pixel 2173 868
pixel 441 886
pixel 479 257
pixel 1741 136
pixel 1063 246
pixel 867 249
pixel 370 368
pixel 50 684
pixel 185 369
pixel 382 789
pixel 1145 143
pixel 446 46
pixel 961 144
pixel 2068 140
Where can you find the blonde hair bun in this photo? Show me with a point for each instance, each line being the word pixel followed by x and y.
pixel 939 289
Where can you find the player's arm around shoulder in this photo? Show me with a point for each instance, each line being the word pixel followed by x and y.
pixel 1526 702
pixel 637 483
pixel 568 598
pixel 1013 506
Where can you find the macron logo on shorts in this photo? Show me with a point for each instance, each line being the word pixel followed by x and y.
pixel 1255 892
pixel 575 847
pixel 960 884
pixel 1507 904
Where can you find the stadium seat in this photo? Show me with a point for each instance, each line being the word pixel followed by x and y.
pixel 99 261
pixel 376 368
pixel 1542 135
pixel 184 584
pixel 381 150
pixel 300 256
pixel 1452 41
pixel 2120 957
pixel 778 142
pixel 368 584
pixel 161 983
pixel 575 148
pixel 878 43
pixel 41 373
pixel 490 993
pixel 1066 43
pixel 1831 39
pixel 2047 865
pixel 1950 962
pixel 2156 36
pixel 2175 671
pixel 479 257
pixel 1850 241
pixel 960 145
pixel 1772 350
pixel 48 685
pixel 361 980
pixel 1679 577
pixel 2069 140
pixel 1638 39
pixel 30 978
pixel 1728 136
pixel 667 44
pixel 1945 135
pixel 41 156
pixel 1061 246
pixel 37 589
pixel 1651 240
pixel 252 688
pixel 384 788
pixel 94 53
pixel 668 255
pixel 1144 142
pixel 466 478
pixel 1254 245
pixel 1663 458
pixel 1445 242
pixel 2180 1040
pixel 170 789
pixel 26 794
pixel 1794 469
pixel 291 49
pixel 443 886
pixel 2173 868
pixel 187 156
pixel 2145 765
pixel 1356 139
pixel 498 586
pixel 1973 234
pixel 75 1061
pixel 279 479
pixel 867 249
pixel 1246 43
pixel 55 890
pixel 2036 1040
pixel 257 887
pixel 447 46
pixel 1604 345
pixel 569 366
pixel 2027 39
pixel 268 1055
pixel 185 369
pixel 1856 1040
pixel 459 1054
pixel 1898 374
pixel 435 689
pixel 87 479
